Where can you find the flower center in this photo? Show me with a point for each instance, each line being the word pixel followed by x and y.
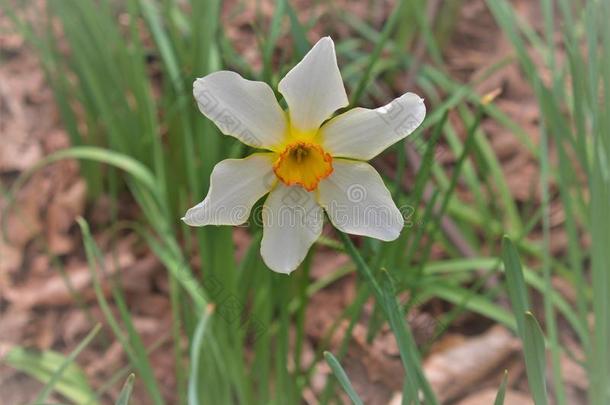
pixel 303 163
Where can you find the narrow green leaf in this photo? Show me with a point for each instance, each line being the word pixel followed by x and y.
pixel 195 356
pixel 72 382
pixel 126 163
pixel 125 394
pixel 527 326
pixel 298 32
pixel 535 359
pixel 137 355
pixel 502 390
pixel 385 296
pixel 375 55
pixel 50 386
pixel 272 37
pixel 414 375
pixel 549 310
pixel 342 377
pixel 473 302
pixel 517 289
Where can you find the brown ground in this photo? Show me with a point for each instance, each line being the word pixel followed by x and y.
pixel 36 310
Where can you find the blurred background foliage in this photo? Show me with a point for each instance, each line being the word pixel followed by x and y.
pixel 122 74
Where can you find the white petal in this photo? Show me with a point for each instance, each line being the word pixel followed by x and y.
pixel 313 89
pixel 358 202
pixel 292 221
pixel 362 133
pixel 235 185
pixel 241 108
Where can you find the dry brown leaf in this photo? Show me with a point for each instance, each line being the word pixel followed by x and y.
pixel 46 330
pixel 22 222
pixel 326 262
pixel 12 325
pixel 62 212
pixel 52 291
pixel 18 151
pixel 487 397
pixel 458 368
pixel 74 323
pixel 137 279
pixel 373 368
pixel 149 304
pixel 10 260
pixel 109 360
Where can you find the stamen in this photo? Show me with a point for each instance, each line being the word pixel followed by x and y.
pixel 300 152
pixel 303 163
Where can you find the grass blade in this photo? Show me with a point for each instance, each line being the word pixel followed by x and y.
pixel 406 345
pixel 298 32
pixel 342 377
pixel 137 355
pixel 517 290
pixel 195 355
pixel 125 394
pixel 527 326
pixel 126 163
pixel 549 310
pixel 385 296
pixel 50 386
pixel 535 359
pixel 376 53
pixel 72 383
pixel 502 390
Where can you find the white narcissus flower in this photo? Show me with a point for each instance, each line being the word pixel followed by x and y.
pixel 309 164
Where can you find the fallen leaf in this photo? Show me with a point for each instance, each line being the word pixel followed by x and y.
pixel 487 397
pixel 53 291
pixel 62 212
pixel 453 371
